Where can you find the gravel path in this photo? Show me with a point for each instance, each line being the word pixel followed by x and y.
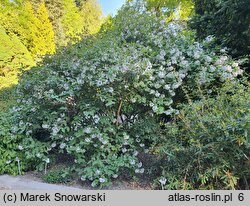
pixel 22 183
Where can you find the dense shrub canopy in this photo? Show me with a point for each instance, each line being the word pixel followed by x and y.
pixel 101 105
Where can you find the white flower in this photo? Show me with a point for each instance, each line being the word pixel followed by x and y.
pixel 228 68
pixel 136 153
pixel 209 38
pixel 78 149
pixel 47 160
pixel 55 130
pixel 223 59
pixel 45 126
pixel 104 142
pixel 133 100
pixel 197 62
pixel 33 109
pixel 87 140
pixel 132 162
pixel 126 136
pixel 157 94
pixel 172 51
pixel 62 146
pixel 238 72
pixel 125 142
pixel 161 74
pixel 208 59
pixel 197 55
pixel 20 147
pixel 151 104
pixel 142 145
pixel 218 62
pixel 88 130
pixel 167 87
pixel 137 171
pixel 223 50
pixel 53 145
pixel 163 181
pixel 79 81
pixel 99 83
pixel 168 112
pixel 66 86
pixel 176 85
pixel 98 172
pixel 140 164
pixel 124 150
pixel 212 68
pixel 115 176
pixel 169 102
pixel 111 90
pixel 235 64
pixel 8 162
pixel 102 180
pixel 172 93
pixel 152 91
pixel 155 108
pixel 142 170
pixel 182 76
pixel 96 119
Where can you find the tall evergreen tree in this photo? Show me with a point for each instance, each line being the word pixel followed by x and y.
pixel 13 56
pixel 46 33
pixel 71 22
pixel 9 18
pixel 30 31
pixel 72 19
pixel 92 16
pixel 55 9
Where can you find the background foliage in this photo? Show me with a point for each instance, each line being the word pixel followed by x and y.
pixel 31 29
pixel 227 20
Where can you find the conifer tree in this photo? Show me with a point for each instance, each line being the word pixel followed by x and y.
pixel 71 22
pixel 92 16
pixel 9 18
pixel 13 57
pixel 46 33
pixel 55 10
pixel 30 31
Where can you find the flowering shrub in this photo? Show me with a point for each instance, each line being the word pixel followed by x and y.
pixel 100 101
pixel 207 146
pixel 10 148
